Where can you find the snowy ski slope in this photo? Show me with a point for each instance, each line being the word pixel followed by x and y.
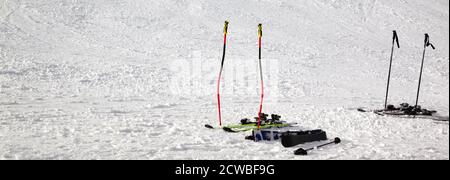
pixel 98 79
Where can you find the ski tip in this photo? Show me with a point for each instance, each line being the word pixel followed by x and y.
pixel 227 129
pixel 361 110
pixel 301 152
pixel 209 126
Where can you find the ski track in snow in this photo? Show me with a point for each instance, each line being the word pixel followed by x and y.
pixel 89 79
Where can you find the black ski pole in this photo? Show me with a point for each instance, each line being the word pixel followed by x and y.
pixel 426 44
pixel 394 39
pixel 303 152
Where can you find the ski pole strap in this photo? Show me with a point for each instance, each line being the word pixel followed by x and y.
pixel 395 38
pixel 260 30
pixel 427 41
pixel 225 28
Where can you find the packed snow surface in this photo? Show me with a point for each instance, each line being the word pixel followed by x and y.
pixel 118 79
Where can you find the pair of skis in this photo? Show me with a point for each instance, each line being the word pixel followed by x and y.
pixel 247 125
pixel 221 69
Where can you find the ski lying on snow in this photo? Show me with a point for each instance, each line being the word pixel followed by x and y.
pixel 234 128
pixel 304 152
pixel 289 139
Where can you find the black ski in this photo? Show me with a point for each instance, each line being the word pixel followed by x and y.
pixel 293 138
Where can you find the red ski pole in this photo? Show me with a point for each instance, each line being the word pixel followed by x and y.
pixel 225 28
pixel 261 74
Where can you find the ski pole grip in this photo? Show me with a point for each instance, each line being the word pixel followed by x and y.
pixel 396 38
pixel 427 41
pixel 260 30
pixel 225 27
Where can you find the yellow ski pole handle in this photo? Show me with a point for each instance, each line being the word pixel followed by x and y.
pixel 260 30
pixel 225 28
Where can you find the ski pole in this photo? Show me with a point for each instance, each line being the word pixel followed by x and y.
pixel 426 44
pixel 303 152
pixel 394 39
pixel 260 74
pixel 225 28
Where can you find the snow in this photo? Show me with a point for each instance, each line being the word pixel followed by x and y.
pixel 84 79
